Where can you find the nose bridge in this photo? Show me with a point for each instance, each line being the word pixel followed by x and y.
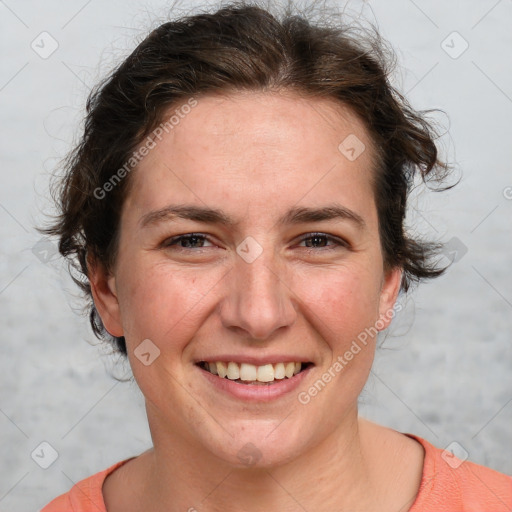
pixel 258 300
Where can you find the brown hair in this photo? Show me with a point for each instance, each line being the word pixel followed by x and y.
pixel 241 47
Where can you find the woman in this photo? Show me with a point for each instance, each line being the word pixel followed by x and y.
pixel 236 210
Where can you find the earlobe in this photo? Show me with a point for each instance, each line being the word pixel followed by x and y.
pixel 389 293
pixel 104 293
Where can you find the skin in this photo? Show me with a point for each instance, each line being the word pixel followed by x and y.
pixel 255 155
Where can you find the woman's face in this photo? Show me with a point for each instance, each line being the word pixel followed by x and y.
pixel 249 171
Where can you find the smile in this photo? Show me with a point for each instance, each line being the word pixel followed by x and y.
pixel 245 373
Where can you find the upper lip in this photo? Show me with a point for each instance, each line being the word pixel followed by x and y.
pixel 256 361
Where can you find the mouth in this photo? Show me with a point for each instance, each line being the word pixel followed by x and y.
pixel 249 374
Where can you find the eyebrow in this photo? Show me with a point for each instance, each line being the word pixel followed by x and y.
pixel 296 215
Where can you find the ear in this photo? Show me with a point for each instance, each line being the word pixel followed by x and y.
pixel 103 288
pixel 388 295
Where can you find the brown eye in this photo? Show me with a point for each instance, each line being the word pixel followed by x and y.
pixel 189 241
pixel 320 241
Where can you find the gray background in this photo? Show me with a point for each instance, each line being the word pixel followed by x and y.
pixel 444 370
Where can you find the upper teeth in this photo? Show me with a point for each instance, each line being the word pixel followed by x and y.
pixel 249 372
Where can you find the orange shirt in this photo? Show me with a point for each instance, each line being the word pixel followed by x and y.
pixel 444 487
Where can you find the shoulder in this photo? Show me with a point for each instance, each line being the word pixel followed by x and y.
pixel 60 504
pixel 85 495
pixel 452 485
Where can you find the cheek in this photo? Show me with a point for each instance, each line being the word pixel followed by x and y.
pixel 345 300
pixel 159 302
pixel 344 308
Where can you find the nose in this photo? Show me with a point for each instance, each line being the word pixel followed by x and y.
pixel 259 301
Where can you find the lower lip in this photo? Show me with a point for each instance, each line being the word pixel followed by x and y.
pixel 254 392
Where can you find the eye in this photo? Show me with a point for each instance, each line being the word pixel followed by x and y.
pixel 319 240
pixel 312 240
pixel 188 241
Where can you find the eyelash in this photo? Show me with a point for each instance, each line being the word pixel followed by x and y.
pixel 337 241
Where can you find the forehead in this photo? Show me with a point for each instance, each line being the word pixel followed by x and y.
pixel 274 121
pixel 257 150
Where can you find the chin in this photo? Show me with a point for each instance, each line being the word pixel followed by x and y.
pixel 269 446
